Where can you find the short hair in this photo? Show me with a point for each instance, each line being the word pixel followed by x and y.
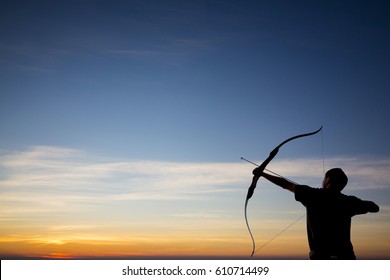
pixel 337 178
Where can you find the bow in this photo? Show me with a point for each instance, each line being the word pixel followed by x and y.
pixel 261 168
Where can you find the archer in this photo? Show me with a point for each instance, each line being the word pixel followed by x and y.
pixel 328 213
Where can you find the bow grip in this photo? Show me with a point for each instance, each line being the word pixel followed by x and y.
pixel 252 187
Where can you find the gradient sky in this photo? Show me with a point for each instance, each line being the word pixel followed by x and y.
pixel 123 123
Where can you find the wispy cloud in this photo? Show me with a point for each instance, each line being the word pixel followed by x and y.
pixel 138 52
pixel 48 169
pixel 364 172
pixel 167 49
pixel 45 179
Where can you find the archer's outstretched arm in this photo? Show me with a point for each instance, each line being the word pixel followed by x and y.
pixel 372 207
pixel 281 182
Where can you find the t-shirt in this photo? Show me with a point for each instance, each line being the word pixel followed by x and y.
pixel 328 218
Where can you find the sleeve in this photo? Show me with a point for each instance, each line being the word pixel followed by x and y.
pixel 303 194
pixel 358 206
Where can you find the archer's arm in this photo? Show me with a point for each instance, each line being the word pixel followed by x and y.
pixel 281 182
pixel 372 207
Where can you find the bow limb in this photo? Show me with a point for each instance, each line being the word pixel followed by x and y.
pixel 257 176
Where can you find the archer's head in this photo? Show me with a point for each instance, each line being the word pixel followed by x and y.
pixel 335 179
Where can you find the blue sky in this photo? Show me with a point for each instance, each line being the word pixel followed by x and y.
pixel 199 76
pixel 100 85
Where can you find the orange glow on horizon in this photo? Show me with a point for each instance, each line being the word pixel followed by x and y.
pixel 185 247
pixel 225 241
pixel 285 247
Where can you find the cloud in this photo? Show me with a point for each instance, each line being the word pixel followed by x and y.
pixel 175 48
pixel 44 178
pixel 365 172
pixel 45 166
pixel 59 168
pixel 138 52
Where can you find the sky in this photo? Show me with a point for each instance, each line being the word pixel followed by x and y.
pixel 123 124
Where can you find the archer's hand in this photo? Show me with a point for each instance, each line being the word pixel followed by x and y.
pixel 257 172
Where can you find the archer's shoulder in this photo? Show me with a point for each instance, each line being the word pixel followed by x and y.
pixel 304 193
pixel 305 188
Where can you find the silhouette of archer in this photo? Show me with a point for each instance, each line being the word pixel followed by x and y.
pixel 328 214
